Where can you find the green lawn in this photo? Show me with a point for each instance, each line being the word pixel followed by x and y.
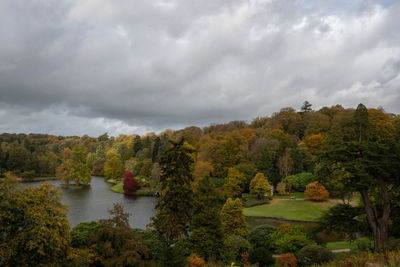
pixel 340 245
pixel 119 188
pixel 296 195
pixel 301 210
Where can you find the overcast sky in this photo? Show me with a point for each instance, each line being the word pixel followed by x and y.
pixel 74 67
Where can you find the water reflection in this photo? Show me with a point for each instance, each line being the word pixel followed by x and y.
pixel 91 203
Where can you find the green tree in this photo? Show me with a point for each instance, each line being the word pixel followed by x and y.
pixel 260 186
pixel 361 122
pixel 289 238
pixel 175 204
pixel 113 167
pixel 34 230
pixel 234 247
pixel 77 169
pixel 233 219
pixel 117 244
pixel 259 237
pixel 207 237
pixel 234 183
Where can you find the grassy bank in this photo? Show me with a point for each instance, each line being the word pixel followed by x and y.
pixel 119 188
pixel 340 245
pixel 301 210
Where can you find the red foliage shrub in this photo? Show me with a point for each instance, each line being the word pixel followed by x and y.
pixel 130 184
pixel 287 260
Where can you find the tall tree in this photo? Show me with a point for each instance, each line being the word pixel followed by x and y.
pixel 113 167
pixel 207 237
pixel 361 121
pixel 234 183
pixel 233 219
pixel 260 186
pixel 175 204
pixel 77 169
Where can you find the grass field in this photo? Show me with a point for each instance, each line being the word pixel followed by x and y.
pixel 296 195
pixel 300 210
pixel 119 188
pixel 340 245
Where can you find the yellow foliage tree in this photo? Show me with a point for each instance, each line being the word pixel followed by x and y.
pixel 232 218
pixel 234 183
pixel 113 168
pixel 260 185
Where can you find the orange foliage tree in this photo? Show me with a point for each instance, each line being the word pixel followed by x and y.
pixel 287 260
pixel 316 191
pixel 196 261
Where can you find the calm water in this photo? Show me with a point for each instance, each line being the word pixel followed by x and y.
pixel 91 203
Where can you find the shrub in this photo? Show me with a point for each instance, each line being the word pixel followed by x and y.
pixel 234 247
pixel 314 254
pixel 80 234
pixel 289 238
pixel 304 178
pixel 316 191
pixel 196 261
pixel 259 237
pixel 262 256
pixel 130 184
pixel 287 260
pixel 256 203
pixel 281 188
pixel 364 244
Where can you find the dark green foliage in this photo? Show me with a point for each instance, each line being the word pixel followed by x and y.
pixel 234 247
pixel 259 237
pixel 175 256
pixel 116 244
pixel 175 204
pixel 253 203
pixel 156 149
pixel 249 171
pixel 218 182
pixel 361 122
pixel 156 243
pixel 304 179
pixel 80 234
pixel 262 256
pixel 206 238
pixel 313 254
pixel 342 219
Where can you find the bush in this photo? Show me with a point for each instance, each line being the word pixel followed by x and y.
pixel 262 256
pixel 256 203
pixel 316 191
pixel 289 238
pixel 80 234
pixel 196 261
pixel 281 188
pixel 304 178
pixel 287 260
pixel 364 244
pixel 155 242
pixel 314 254
pixel 234 247
pixel 219 182
pixel 259 237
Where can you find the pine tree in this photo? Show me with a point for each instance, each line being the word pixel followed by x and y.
pixel 175 204
pixel 207 237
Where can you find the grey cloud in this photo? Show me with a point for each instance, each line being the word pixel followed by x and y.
pixel 150 65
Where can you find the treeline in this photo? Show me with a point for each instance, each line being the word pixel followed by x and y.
pixel 277 146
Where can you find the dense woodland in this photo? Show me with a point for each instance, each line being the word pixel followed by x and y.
pixel 203 174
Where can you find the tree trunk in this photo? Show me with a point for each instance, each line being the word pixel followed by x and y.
pixel 379 225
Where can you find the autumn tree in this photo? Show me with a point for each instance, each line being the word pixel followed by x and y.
pixel 234 183
pixel 34 230
pixel 116 244
pixel 174 207
pixel 77 169
pixel 130 184
pixel 113 167
pixel 371 167
pixel 233 219
pixel 285 164
pixel 316 191
pixel 207 237
pixel 260 186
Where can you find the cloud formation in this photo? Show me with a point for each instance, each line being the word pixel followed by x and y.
pixel 72 67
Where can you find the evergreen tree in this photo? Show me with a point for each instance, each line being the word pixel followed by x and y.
pixel 233 219
pixel 156 149
pixel 207 237
pixel 175 204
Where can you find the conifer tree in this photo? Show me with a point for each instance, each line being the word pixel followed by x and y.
pixel 207 237
pixel 175 204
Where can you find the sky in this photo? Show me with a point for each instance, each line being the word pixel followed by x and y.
pixel 75 67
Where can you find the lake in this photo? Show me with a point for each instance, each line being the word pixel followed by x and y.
pixel 92 203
